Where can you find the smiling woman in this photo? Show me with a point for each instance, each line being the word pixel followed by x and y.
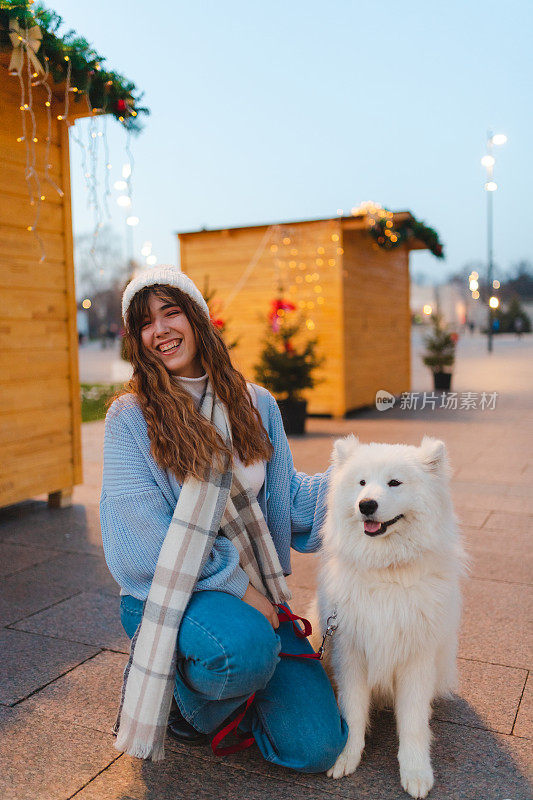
pixel 200 505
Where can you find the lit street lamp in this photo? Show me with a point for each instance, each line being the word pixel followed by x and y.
pixel 488 162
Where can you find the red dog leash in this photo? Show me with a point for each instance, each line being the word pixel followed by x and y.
pixel 285 615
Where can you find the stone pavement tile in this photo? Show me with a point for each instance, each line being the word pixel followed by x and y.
pixel 488 697
pixel 500 554
pixel 88 695
pixel 305 568
pixel 302 598
pixel 524 720
pixel 76 529
pixel 30 661
pixel 89 617
pixel 302 581
pixel 494 626
pixel 508 520
pixel 38 587
pixel 14 557
pixel 48 760
pixel 493 497
pixel 469 764
pixel 470 514
pixel 505 473
pixel 18 599
pixel 184 776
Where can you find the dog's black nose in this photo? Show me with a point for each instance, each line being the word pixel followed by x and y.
pixel 367 506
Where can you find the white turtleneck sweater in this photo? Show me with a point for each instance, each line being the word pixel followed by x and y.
pixel 254 475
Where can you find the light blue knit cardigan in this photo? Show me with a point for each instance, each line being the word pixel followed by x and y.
pixel 138 500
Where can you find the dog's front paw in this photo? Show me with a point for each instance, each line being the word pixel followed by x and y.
pixel 417 781
pixel 347 762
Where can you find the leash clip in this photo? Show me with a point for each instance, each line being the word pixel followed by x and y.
pixel 332 626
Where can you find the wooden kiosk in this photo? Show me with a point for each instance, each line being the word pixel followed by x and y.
pixel 356 295
pixel 40 417
pixel 46 83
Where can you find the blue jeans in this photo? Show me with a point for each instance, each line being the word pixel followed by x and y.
pixel 226 650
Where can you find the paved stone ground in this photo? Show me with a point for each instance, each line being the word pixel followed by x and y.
pixel 63 649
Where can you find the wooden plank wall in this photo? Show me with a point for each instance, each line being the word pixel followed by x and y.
pixel 376 319
pixel 226 255
pixel 40 420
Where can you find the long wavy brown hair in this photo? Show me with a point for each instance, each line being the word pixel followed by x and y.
pixel 182 439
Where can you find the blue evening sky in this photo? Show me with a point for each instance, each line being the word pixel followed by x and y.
pixel 286 110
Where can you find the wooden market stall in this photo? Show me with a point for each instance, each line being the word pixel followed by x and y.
pixel 346 276
pixel 40 418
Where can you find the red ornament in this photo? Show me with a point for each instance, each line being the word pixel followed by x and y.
pixel 278 305
pixel 218 322
pixel 120 105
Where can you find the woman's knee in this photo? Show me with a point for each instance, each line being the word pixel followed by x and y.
pixel 231 662
pixel 315 745
pixel 321 754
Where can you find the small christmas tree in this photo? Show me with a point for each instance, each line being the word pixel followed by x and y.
pixel 440 346
pixel 283 368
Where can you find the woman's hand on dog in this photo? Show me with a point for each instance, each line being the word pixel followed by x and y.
pixel 257 600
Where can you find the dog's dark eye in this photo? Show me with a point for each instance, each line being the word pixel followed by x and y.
pixel 394 482
pixel 362 483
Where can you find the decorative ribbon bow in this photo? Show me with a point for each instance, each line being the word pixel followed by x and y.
pixel 20 39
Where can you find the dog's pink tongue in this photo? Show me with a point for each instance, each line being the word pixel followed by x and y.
pixel 372 526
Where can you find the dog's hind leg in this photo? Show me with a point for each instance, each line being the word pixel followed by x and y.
pixel 415 687
pixel 354 702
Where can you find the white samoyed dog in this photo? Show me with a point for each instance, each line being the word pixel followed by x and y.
pixel 391 565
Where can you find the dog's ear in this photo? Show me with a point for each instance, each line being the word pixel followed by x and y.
pixel 343 448
pixel 434 455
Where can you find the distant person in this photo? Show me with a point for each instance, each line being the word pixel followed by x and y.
pixel 200 506
pixel 518 326
pixel 472 326
pixel 112 331
pixel 102 333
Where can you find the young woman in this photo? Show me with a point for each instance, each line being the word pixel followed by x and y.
pixel 200 506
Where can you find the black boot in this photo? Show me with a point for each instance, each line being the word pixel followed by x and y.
pixel 183 731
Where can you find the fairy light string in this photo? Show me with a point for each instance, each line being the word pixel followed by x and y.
pixel 40 56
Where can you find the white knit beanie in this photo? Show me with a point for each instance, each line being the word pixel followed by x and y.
pixel 165 275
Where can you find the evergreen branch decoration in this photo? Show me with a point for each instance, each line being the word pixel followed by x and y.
pixel 107 91
pixel 390 237
pixel 391 230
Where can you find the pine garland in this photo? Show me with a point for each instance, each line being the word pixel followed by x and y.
pixel 401 232
pixel 108 92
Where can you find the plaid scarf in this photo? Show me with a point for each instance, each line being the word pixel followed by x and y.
pixel 204 508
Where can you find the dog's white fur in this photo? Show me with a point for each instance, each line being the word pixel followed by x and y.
pixel 397 595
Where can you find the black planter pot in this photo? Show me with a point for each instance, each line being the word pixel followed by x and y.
pixel 442 381
pixel 293 413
